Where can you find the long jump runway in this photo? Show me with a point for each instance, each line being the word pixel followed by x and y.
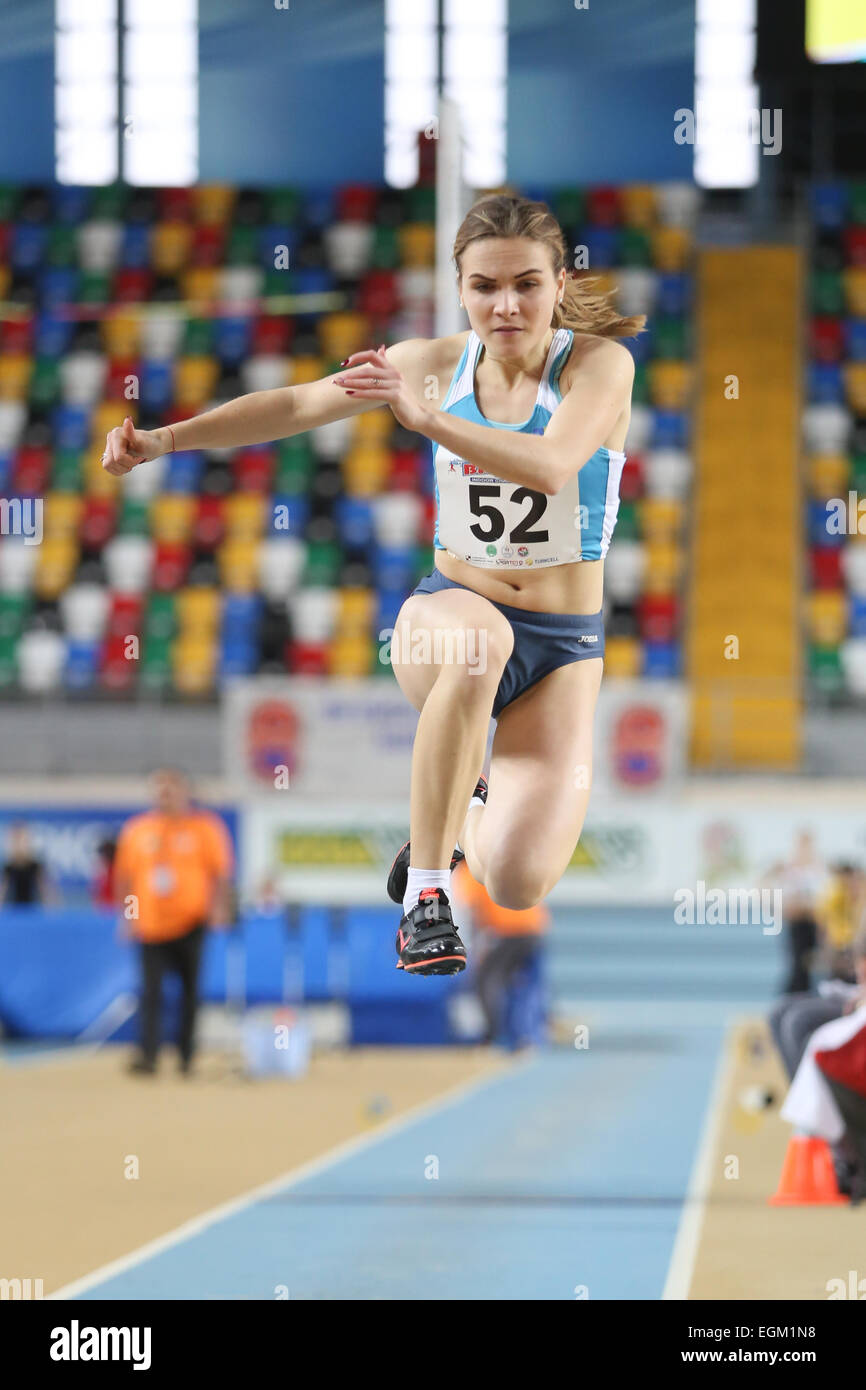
pixel 563 1176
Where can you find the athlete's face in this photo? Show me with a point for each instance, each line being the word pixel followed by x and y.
pixel 509 290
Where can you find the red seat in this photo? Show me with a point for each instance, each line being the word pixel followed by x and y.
pixel 356 202
pixel 378 295
pixel 603 207
pixel 31 470
pixel 209 525
pixel 855 245
pixel 405 471
pixel 118 664
pixel 97 522
pixel 18 334
pixel 825 563
pixel 632 483
pixel 428 523
pixel 208 244
pixel 6 231
pixel 132 286
pixel 117 378
pixel 175 204
pixel 307 658
pixel 828 339
pixel 124 615
pixel 658 617
pixel 253 469
pixel 171 564
pixel 273 334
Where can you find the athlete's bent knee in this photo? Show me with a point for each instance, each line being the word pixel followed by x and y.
pixel 515 886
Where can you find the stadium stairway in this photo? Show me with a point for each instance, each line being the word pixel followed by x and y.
pixel 743 647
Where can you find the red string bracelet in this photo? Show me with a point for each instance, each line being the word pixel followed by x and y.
pixel 171 432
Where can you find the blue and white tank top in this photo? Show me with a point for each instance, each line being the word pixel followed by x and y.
pixel 487 521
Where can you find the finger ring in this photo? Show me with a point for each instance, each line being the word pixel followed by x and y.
pixel 375 381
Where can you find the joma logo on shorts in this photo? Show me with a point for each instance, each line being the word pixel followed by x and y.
pixel 588 637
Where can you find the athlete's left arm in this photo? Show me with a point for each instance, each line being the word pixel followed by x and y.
pixel 580 423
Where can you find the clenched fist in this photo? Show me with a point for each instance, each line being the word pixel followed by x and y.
pixel 127 446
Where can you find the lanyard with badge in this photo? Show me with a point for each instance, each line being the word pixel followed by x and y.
pixel 163 878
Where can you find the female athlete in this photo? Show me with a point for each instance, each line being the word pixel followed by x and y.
pixel 528 413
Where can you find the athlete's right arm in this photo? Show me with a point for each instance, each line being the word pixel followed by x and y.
pixel 256 418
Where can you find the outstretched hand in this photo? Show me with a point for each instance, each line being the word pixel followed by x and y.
pixel 125 447
pixel 372 377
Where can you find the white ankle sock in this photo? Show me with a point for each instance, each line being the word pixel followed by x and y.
pixel 476 801
pixel 424 878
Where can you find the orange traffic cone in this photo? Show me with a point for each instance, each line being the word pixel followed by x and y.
pixel 808 1176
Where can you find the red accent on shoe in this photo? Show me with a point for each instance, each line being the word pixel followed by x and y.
pixel 427 893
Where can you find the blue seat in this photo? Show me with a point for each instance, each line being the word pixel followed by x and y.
pixel 156 383
pixel 661 660
pixel 318 208
pixel 857 615
pixel 388 607
pixel 238 657
pixel 855 337
pixel 232 339
pixel 825 384
pixel 6 467
pixel 135 246
pixel 641 346
pixel 71 426
pixel 829 204
pixel 354 517
pixel 29 241
pixel 71 203
pixel 602 244
pixel 53 335
pixel 277 234
pixel 669 429
pixel 817 518
pixel 82 664
pixel 57 284
pixel 240 616
pixel 184 471
pixel 674 293
pixel 394 568
pixel 289 514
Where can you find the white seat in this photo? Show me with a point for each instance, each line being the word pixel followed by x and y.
pixel 640 429
pixel 84 609
pixel 128 561
pixel 416 285
pixel 826 428
pixel 348 246
pixel 13 417
pixel 145 479
pixel 82 377
pixel 624 569
pixel 853 657
pixel 98 243
pixel 240 284
pixel 281 564
pixel 677 203
pixel 638 289
pixel 854 568
pixel 41 658
pixel 161 334
pixel 313 614
pixel 333 440
pixel 396 518
pixel 265 372
pixel 17 563
pixel 667 473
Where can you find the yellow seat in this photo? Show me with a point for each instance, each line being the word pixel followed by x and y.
pixel 661 518
pixel 193 663
pixel 5 281
pixel 623 657
pixel 201 283
pixel 350 656
pixel 341 334
pixel 195 379
pixel 827 616
pixel 365 469
pixel 828 475
pixel 855 386
pixel 171 517
pixel 56 562
pixel 198 609
pixel 213 202
pixel 108 415
pixel 237 560
pixel 854 284
pixel 170 244
pixel 417 243
pixel 671 247
pixel 374 427
pixel 355 612
pixel 94 479
pixel 669 384
pixel 638 203
pixel 308 367
pixel 121 336
pixel 16 369
pixel 62 513
pixel 663 567
pixel 244 514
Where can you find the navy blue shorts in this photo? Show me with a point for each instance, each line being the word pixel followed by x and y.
pixel 542 641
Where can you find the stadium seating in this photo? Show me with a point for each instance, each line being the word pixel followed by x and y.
pixel 294 555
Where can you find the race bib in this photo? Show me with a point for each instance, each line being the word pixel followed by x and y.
pixel 487 521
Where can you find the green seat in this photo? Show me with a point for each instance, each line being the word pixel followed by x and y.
pixel 858 473
pixel 8 201
pixel 134 518
pixel 825 670
pixel 669 338
pixel 640 389
pixel 197 338
pixel 109 202
pixel 569 206
pixel 635 248
pixel 323 564
pixel 159 621
pixel 424 555
pixel 94 287
pixel 242 248
pixel 45 382
pixel 627 524
pixel 66 473
pixel 858 203
pixel 827 292
pixel 61 250
pixel 13 610
pixel 296 465
pixel 421 203
pixel 8 660
pixel 283 205
pixel 385 254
